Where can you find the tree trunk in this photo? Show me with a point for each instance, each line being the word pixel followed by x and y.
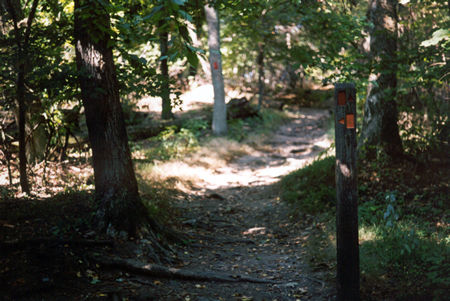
pixel 219 122
pixel 380 126
pixel 120 210
pixel 20 91
pixel 260 63
pixel 22 40
pixel 165 86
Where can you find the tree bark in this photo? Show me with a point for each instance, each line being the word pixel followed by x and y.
pixel 20 86
pixel 260 63
pixel 380 126
pixel 165 89
pixel 120 210
pixel 22 41
pixel 219 122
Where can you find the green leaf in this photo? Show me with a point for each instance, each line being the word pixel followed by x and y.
pixel 408 249
pixel 179 2
pixel 195 49
pixel 184 33
pixel 153 12
pixel 192 58
pixel 185 15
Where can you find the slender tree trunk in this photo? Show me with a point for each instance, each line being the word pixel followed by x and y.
pixel 380 126
pixel 22 41
pixel 3 18
pixel 166 104
pixel 260 63
pixel 20 87
pixel 6 153
pixel 120 208
pixel 219 122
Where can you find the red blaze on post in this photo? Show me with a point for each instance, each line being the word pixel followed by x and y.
pixel 216 66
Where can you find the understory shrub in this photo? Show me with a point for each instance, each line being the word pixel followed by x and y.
pixel 266 121
pixel 173 143
pixel 404 241
pixel 311 189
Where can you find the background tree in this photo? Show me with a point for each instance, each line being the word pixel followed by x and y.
pixel 166 22
pixel 219 120
pixel 380 126
pixel 22 38
pixel 49 73
pixel 164 46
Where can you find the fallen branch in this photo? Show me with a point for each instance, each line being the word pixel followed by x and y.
pixel 155 270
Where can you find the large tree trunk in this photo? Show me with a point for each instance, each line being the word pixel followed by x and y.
pixel 120 208
pixel 165 88
pixel 219 122
pixel 380 126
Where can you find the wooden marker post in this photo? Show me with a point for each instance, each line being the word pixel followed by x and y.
pixel 346 190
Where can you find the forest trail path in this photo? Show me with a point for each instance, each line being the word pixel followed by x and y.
pixel 239 225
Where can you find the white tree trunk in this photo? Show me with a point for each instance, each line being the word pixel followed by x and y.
pixel 219 122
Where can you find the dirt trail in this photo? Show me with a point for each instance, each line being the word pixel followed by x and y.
pixel 238 224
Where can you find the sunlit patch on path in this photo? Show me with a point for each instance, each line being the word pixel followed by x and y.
pixel 238 224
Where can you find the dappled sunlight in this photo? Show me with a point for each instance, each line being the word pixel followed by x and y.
pixel 50 178
pixel 260 160
pixel 366 234
pixel 255 230
pixel 196 98
pixel 210 167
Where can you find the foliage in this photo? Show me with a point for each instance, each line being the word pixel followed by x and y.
pixel 423 76
pixel 138 41
pixel 236 129
pixel 265 122
pixel 404 243
pixel 311 190
pixel 407 250
pixel 254 27
pixel 175 142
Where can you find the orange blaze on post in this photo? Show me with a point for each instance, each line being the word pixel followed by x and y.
pixel 341 98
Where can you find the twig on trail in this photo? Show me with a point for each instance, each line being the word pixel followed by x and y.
pixel 229 240
pixel 225 242
pixel 14 245
pixel 155 270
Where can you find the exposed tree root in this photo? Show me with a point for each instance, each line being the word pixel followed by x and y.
pixel 159 271
pixel 9 246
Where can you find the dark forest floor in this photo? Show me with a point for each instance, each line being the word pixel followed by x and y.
pixel 234 221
